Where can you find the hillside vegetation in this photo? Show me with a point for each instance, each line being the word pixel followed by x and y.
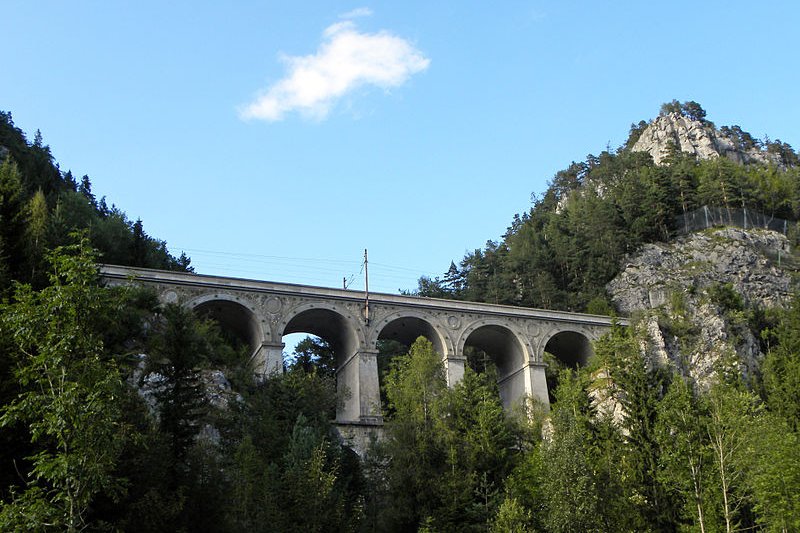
pixel 120 413
pixel 572 242
pixel 40 206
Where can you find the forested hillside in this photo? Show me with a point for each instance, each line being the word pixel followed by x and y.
pixel 120 413
pixel 562 253
pixel 40 206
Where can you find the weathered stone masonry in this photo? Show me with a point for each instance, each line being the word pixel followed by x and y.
pixel 262 312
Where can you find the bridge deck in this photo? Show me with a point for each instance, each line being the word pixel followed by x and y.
pixel 120 273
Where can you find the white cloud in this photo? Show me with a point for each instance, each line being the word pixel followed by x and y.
pixel 356 13
pixel 346 59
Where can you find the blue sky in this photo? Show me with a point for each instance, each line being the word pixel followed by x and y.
pixel 278 140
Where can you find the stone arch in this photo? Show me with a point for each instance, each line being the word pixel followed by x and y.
pixel 356 374
pixel 499 329
pixel 509 351
pixel 234 314
pixel 406 326
pixel 328 321
pixel 570 346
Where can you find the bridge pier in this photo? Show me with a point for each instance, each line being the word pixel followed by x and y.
pixel 268 359
pixel 358 389
pixel 454 369
pixel 536 382
pixel 526 382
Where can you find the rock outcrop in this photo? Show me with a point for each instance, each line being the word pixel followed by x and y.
pixel 689 295
pixel 701 139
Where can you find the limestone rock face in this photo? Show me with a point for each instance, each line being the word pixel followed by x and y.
pixel 694 137
pixel 748 259
pixel 217 388
pixel 674 289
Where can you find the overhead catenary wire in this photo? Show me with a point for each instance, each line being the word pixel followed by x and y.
pixel 304 270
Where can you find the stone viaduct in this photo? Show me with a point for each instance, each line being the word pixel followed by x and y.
pixel 262 312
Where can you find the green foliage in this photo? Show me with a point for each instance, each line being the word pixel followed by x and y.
pixel 730 411
pixel 691 110
pixel 313 354
pixel 289 472
pixel 511 517
pixel 685 459
pixel 40 207
pixel 781 369
pixel 447 451
pixel 772 471
pixel 12 219
pixel 413 387
pixel 572 242
pixel 569 483
pixel 635 133
pixel 178 351
pixel 68 397
pixel 638 390
pixel 525 484
pixel 724 296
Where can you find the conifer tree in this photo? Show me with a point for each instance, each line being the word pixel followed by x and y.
pixel 178 352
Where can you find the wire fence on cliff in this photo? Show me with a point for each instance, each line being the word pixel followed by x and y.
pixel 708 217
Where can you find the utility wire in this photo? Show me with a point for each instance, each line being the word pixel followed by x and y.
pixel 305 270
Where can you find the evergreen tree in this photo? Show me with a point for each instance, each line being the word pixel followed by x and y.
pixel 772 471
pixel 686 459
pixel 569 483
pixel 12 218
pixel 177 354
pixel 637 391
pixel 314 354
pixel 413 387
pixel 781 369
pixel 139 246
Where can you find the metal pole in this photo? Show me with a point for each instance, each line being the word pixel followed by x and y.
pixel 366 287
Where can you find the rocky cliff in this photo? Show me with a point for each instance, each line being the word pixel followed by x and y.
pixel 698 138
pixel 694 296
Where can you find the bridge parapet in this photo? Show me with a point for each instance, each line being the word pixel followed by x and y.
pixel 261 312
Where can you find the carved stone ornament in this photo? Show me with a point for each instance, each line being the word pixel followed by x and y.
pixel 273 305
pixel 453 322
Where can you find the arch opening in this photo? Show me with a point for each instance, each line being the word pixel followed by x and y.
pixel 395 339
pixel 570 348
pixel 406 330
pixel 238 324
pixel 497 346
pixel 310 353
pixel 332 343
pixel 328 325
